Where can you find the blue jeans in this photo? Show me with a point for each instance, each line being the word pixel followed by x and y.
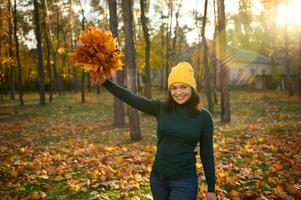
pixel 164 188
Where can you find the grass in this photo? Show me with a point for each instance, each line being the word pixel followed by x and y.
pixel 55 149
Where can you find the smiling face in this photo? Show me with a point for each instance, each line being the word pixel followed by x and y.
pixel 180 92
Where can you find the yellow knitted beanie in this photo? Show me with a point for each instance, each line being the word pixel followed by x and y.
pixel 182 73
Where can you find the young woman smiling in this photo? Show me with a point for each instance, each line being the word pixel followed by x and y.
pixel 181 125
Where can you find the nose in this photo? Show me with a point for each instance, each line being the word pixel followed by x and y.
pixel 179 91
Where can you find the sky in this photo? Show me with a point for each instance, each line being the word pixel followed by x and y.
pixel 186 10
pixel 186 14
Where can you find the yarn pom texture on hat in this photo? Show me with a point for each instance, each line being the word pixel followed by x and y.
pixel 182 73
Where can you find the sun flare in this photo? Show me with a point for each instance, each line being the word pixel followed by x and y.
pixel 293 13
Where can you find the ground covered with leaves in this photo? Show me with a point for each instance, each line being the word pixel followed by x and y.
pixel 69 150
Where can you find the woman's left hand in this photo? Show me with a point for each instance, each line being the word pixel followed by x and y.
pixel 211 196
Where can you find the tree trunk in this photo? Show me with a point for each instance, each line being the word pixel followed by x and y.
pixel 83 71
pixel 287 64
pixel 174 42
pixel 119 115
pixel 83 86
pixel 162 86
pixel 198 73
pixel 64 82
pixel 147 83
pixel 224 72
pixel 20 86
pixel 198 59
pixel 168 35
pixel 214 65
pixel 73 79
pixel 2 74
pixel 205 61
pixel 299 81
pixel 12 81
pixel 40 66
pixel 134 121
pixel 6 75
pixel 1 84
pixel 48 48
pixel 161 80
pixel 139 90
pixel 29 78
pixel 89 82
pixel 214 59
pixel 58 83
pixel 299 68
pixel 97 88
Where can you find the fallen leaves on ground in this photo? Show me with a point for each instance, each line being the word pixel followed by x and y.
pixel 82 163
pixel 42 157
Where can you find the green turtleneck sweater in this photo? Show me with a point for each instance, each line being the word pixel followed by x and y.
pixel 178 135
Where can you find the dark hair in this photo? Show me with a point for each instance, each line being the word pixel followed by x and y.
pixel 193 103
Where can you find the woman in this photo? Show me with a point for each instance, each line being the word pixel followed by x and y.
pixel 181 124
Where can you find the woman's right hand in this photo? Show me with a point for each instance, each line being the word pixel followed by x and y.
pixel 97 78
pixel 102 79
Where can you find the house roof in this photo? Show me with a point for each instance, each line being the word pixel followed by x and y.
pixel 246 56
pixel 234 55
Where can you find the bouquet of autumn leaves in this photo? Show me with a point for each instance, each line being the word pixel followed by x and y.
pixel 97 52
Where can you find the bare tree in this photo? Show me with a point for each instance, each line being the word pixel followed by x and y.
pixel 148 85
pixel 83 71
pixel 12 80
pixel 224 72
pixel 174 50
pixel 197 20
pixel 299 68
pixel 214 61
pixel 286 57
pixel 2 90
pixel 48 48
pixel 58 84
pixel 40 65
pixel 207 72
pixel 18 56
pixel 119 115
pixel 163 49
pixel 130 58
pixel 71 16
pixel 2 71
pixel 162 86
pixel 168 35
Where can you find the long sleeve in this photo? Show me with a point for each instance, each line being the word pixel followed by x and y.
pixel 206 153
pixel 149 106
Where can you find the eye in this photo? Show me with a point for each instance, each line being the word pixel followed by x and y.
pixel 173 88
pixel 184 87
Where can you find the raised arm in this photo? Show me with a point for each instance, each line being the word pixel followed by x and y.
pixel 149 106
pixel 206 152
